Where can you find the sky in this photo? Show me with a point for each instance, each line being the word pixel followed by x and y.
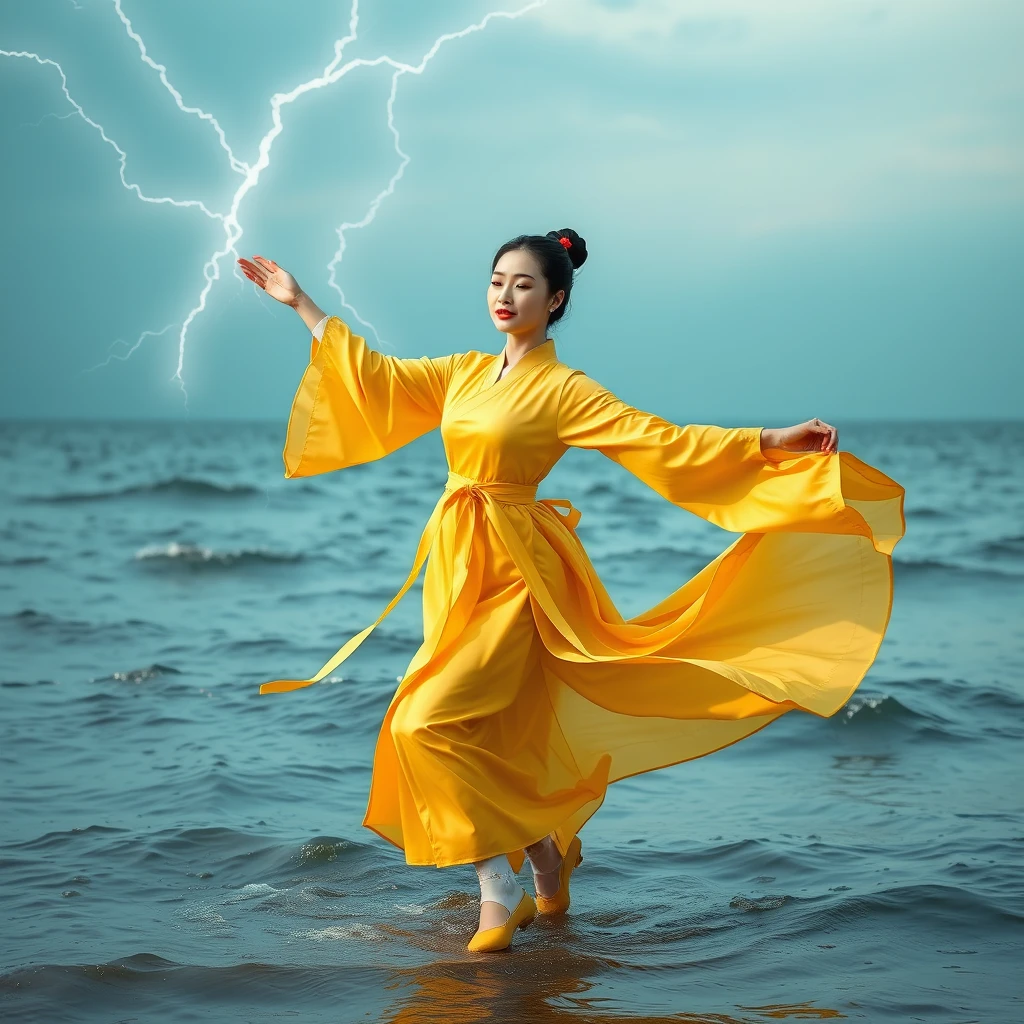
pixel 802 208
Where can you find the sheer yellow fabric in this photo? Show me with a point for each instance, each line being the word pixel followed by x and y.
pixel 530 692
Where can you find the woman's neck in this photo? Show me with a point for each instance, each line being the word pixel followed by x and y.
pixel 517 345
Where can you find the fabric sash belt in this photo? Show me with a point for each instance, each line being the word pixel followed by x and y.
pixel 492 494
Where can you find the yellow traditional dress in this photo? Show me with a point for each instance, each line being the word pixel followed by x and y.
pixel 531 692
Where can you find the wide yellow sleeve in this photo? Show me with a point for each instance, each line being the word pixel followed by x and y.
pixel 721 474
pixel 355 404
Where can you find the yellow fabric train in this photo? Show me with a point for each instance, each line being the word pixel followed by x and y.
pixel 531 692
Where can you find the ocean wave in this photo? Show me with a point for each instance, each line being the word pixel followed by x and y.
pixel 929 513
pixel 940 905
pixel 966 694
pixel 935 708
pixel 182 487
pixel 759 903
pixel 1012 547
pixel 171 991
pixel 195 555
pixel 864 707
pixel 30 619
pixel 923 567
pixel 251 891
pixel 882 713
pixel 66 837
pixel 138 675
pixel 345 933
pixel 658 556
pixel 323 850
pixel 234 856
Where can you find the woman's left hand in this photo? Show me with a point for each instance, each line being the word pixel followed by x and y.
pixel 812 436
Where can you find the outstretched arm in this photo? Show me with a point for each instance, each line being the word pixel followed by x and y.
pixel 354 404
pixel 726 476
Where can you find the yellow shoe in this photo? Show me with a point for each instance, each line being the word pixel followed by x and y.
pixel 559 903
pixel 490 940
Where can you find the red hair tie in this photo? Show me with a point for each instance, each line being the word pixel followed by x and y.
pixel 567 242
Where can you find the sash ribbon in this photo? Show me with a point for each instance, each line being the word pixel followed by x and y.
pixel 492 494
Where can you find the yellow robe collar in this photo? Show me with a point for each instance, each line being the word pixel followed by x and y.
pixel 544 352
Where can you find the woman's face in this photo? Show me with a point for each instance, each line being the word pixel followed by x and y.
pixel 518 295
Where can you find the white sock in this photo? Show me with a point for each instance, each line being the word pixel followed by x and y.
pixel 498 884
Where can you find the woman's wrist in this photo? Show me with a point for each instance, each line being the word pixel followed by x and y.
pixel 769 438
pixel 310 313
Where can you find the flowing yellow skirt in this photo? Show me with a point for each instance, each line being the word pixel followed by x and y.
pixel 531 694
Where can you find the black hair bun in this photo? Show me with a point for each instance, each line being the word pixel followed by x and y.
pixel 577 251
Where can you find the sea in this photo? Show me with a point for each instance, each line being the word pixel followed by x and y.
pixel 176 847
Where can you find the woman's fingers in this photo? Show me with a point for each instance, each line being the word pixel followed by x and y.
pixel 268 265
pixel 811 436
pixel 254 273
pixel 259 265
pixel 261 283
pixel 251 267
pixel 830 440
pixel 829 436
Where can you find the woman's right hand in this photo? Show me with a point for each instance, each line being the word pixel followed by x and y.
pixel 277 283
pixel 810 436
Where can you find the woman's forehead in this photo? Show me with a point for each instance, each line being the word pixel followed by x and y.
pixel 518 261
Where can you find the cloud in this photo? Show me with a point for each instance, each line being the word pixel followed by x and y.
pixel 712 28
pixel 749 34
pixel 742 119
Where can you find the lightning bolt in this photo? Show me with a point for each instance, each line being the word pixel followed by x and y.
pixel 233 230
pixel 389 189
pixel 236 164
pixel 121 341
pixel 57 117
pixel 122 155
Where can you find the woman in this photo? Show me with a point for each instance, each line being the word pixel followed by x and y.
pixel 530 693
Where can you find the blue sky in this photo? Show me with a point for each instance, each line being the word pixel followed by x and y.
pixel 808 207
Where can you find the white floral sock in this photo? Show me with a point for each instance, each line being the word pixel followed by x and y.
pixel 497 883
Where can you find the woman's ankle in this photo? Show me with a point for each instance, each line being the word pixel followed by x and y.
pixel 497 883
pixel 544 856
pixel 546 861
